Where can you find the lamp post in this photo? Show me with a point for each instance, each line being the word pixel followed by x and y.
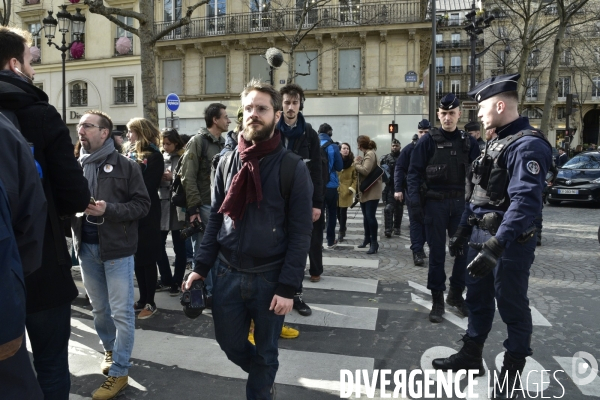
pixel 66 22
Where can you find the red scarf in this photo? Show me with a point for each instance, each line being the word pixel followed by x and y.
pixel 246 186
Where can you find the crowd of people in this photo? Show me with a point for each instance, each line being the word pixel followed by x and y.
pixel 252 203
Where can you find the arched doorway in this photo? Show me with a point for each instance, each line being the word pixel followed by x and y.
pixel 591 126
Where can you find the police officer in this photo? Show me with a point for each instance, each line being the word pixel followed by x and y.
pixel 509 179
pixel 473 129
pixel 417 229
pixel 392 213
pixel 436 177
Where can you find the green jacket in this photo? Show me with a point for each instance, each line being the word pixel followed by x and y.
pixel 195 169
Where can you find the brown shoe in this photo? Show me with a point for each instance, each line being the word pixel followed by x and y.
pixel 110 388
pixel 315 278
pixel 147 312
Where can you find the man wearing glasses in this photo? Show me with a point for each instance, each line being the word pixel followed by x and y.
pixel 105 239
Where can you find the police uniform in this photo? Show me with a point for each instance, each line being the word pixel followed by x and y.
pixel 417 229
pixel 507 194
pixel 436 175
pixel 394 209
pixel 474 126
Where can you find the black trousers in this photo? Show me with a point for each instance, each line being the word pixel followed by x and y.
pixel 315 253
pixel 17 379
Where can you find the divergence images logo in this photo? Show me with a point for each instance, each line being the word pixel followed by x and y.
pixel 584 368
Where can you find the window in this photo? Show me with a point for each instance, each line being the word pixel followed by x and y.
pixel 260 14
pixel 561 112
pixel 564 87
pixel 454 19
pixel 439 65
pixel 172 79
pixel 439 88
pixel 550 10
pixel 35 30
pixel 502 32
pixel 124 93
pixel 307 63
pixel 79 94
pixel 565 57
pixel 476 64
pixel 455 86
pixel 349 11
pixel 124 33
pixel 259 68
pixel 215 22
pixel 532 88
pixel 215 74
pixel 532 113
pixel 312 17
pixel 172 12
pixel 501 58
pixel 455 64
pixel 439 37
pixel 455 38
pixel 82 40
pixel 596 87
pixel 349 69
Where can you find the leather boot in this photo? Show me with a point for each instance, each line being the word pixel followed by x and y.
pixel 397 231
pixel 365 243
pixel 455 299
pixel 418 260
pixel 374 246
pixel 508 383
pixel 469 357
pixel 437 310
pixel 422 254
pixel 388 220
pixel 341 235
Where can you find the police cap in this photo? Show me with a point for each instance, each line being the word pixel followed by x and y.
pixel 395 141
pixel 472 126
pixel 424 124
pixel 449 102
pixel 493 86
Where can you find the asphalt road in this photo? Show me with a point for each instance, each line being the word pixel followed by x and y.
pixel 370 313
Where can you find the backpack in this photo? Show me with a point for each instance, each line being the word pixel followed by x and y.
pixel 325 163
pixel 178 198
pixel 385 178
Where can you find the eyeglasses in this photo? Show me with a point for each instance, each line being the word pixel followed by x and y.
pixel 260 110
pixel 87 126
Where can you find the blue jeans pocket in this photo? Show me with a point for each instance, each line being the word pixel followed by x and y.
pixel 270 277
pixel 223 270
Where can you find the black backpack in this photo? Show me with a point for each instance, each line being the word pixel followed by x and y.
pixel 325 163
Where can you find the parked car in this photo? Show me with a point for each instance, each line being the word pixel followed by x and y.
pixel 578 180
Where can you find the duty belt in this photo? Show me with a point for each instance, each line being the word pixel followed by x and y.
pixel 489 222
pixel 435 195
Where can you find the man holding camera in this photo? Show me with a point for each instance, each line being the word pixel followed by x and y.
pixel 256 241
pixel 105 239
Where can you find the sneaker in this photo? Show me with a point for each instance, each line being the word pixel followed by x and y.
pixel 107 362
pixel 111 387
pixel 315 278
pixel 174 291
pixel 300 306
pixel 147 312
pixel 137 306
pixel 287 332
pixel 331 246
pixel 160 287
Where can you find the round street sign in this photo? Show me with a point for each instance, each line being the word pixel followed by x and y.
pixel 172 102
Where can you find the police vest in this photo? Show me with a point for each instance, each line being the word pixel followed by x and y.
pixel 489 178
pixel 449 163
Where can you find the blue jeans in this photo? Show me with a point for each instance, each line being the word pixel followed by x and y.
pixel 166 277
pixel 331 199
pixel 196 240
pixel 508 284
pixel 441 220
pixel 369 210
pixel 238 298
pixel 49 332
pixel 109 285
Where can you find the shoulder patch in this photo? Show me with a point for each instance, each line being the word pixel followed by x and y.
pixel 533 167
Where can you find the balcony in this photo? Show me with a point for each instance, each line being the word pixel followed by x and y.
pixel 458 44
pixel 456 69
pixel 291 19
pixel 79 98
pixel 440 70
pixel 477 68
pixel 124 95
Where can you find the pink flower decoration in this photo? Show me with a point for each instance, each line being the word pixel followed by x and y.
pixel 77 50
pixel 35 53
pixel 123 45
pixel 74 1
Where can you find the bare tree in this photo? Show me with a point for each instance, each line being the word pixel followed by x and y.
pixel 5 16
pixel 148 38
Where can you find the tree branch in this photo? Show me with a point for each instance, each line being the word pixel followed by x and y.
pixel 186 19
pixel 97 7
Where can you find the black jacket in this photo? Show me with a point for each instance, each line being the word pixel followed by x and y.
pixel 64 185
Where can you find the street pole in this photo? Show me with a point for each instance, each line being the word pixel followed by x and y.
pixel 433 66
pixel 64 80
pixel 473 44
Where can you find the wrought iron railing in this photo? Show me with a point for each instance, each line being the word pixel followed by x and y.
pixel 456 69
pixel 79 98
pixel 440 70
pixel 124 95
pixel 449 44
pixel 291 19
pixel 477 68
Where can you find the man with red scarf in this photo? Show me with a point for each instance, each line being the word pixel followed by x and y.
pixel 256 242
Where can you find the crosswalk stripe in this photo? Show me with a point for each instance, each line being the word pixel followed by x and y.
pixel 348 262
pixel 570 366
pixel 343 284
pixel 337 316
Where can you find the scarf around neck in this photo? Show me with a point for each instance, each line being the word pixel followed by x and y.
pixel 246 185
pixel 91 161
pixel 291 133
pixel 347 162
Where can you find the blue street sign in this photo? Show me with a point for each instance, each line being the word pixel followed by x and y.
pixel 172 102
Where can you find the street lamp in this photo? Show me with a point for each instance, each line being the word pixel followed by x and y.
pixel 66 22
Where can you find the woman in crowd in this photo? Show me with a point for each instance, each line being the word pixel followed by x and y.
pixel 370 198
pixel 169 221
pixel 144 139
pixel 347 188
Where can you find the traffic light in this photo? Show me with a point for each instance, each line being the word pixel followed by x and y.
pixel 393 128
pixel 569 107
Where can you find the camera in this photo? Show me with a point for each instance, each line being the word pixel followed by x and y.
pixel 194 299
pixel 197 226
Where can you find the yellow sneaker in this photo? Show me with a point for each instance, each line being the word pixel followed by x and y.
pixel 111 387
pixel 287 332
pixel 251 337
pixel 106 363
